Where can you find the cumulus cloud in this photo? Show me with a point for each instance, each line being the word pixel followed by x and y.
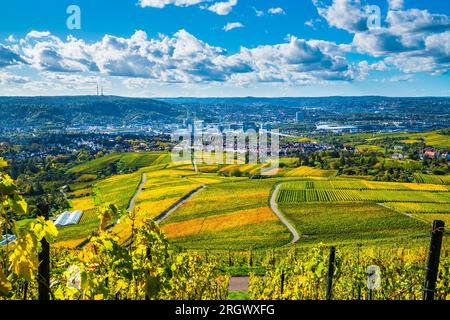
pixel 365 68
pixel 163 3
pixel 411 40
pixel 223 8
pixel 277 10
pixel 349 15
pixel 232 25
pixel 182 58
pixel 296 62
pixel 8 57
pixel 49 53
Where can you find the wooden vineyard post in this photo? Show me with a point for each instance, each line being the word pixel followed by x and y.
pixel 330 273
pixel 282 283
pixel 44 260
pixel 433 260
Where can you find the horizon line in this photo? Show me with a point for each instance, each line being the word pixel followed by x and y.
pixel 221 97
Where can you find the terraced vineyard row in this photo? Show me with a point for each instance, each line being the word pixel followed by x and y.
pixel 293 196
pixel 89 216
pixel 428 178
pixel 365 185
pixel 311 195
pixel 408 207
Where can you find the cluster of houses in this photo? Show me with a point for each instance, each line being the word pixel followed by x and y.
pixel 435 154
pixel 288 148
pixel 429 152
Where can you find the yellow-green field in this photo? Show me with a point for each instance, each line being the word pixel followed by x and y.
pixel 125 160
pixel 229 215
pixel 233 213
pixel 363 211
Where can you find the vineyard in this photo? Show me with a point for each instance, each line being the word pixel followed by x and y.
pixel 72 236
pixel 162 190
pixel 229 229
pixel 302 275
pixel 340 211
pixel 116 190
pixel 309 172
pixel 321 195
pixel 428 178
pixel 364 185
pixel 232 215
pixel 363 191
pixel 123 160
pixel 431 138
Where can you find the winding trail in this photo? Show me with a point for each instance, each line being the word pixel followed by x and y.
pixel 274 207
pixel 138 192
pixel 169 211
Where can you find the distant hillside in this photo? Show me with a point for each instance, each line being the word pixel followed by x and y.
pixel 333 103
pixel 17 111
pixel 102 110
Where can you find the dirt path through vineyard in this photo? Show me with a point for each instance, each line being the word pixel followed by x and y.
pixel 138 192
pixel 165 214
pixel 274 207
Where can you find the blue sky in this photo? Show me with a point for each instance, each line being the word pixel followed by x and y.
pixel 161 48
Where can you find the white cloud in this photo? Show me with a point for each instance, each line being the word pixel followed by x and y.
pixel 38 34
pixel 401 78
pixel 9 57
pixel 163 3
pixel 365 68
pixel 10 39
pixel 297 62
pixel 395 4
pixel 312 23
pixel 232 25
pixel 277 10
pixel 11 79
pixel 182 58
pixel 349 15
pixel 137 83
pixel 411 40
pixel 48 52
pixel 223 8
pixel 259 13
